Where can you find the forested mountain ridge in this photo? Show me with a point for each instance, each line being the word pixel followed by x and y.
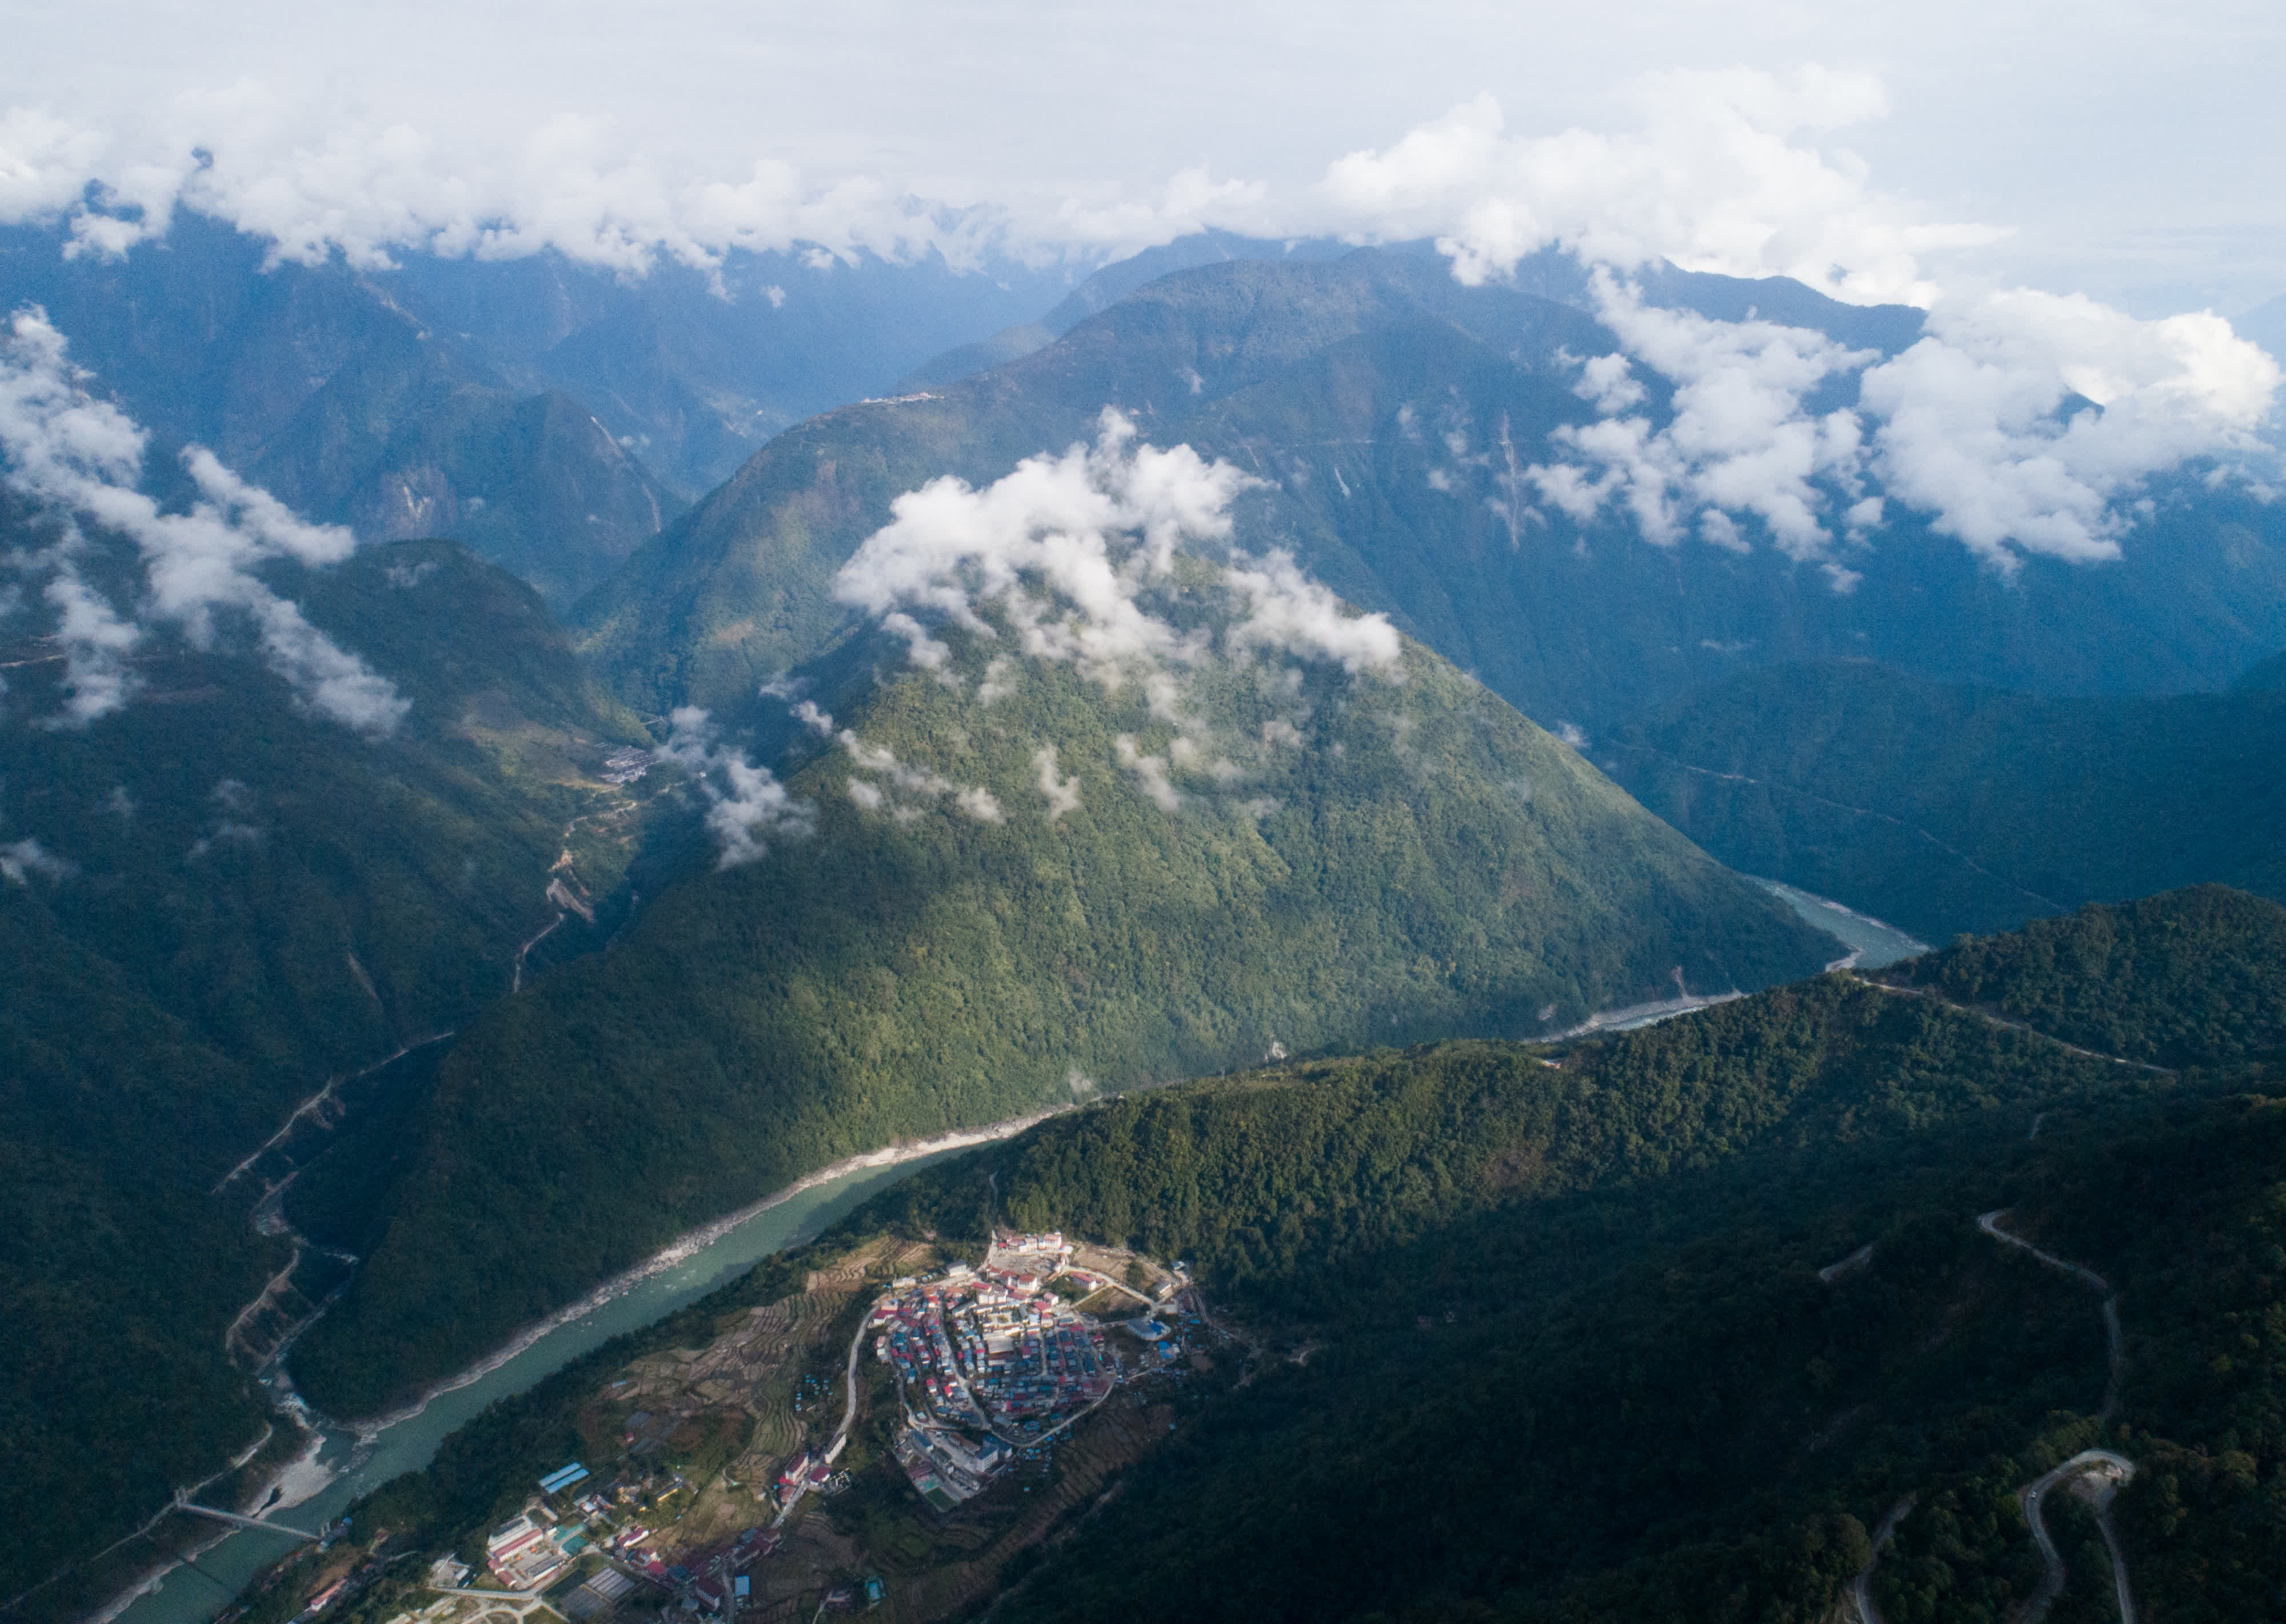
pixel 213 900
pixel 549 415
pixel 1657 1324
pixel 2196 977
pixel 1579 1327
pixel 1396 416
pixel 1938 806
pixel 950 931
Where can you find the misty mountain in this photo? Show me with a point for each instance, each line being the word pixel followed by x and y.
pixel 1945 807
pixel 995 885
pixel 1106 288
pixel 214 899
pixel 550 415
pixel 1392 415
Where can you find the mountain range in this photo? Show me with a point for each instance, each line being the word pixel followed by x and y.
pixel 1393 415
pixel 700 771
pixel 993 888
pixel 1732 1317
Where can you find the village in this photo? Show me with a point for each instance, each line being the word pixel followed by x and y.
pixel 989 1361
pixel 985 1370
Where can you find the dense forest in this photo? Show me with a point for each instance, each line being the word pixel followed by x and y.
pixel 2194 977
pixel 1554 1333
pixel 231 901
pixel 1421 861
pixel 1938 806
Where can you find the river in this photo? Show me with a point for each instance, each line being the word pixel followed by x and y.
pixel 1872 944
pixel 352 1465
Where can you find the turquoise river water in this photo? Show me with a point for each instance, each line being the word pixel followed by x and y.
pixel 359 1464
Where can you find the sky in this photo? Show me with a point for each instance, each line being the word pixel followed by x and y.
pixel 2117 149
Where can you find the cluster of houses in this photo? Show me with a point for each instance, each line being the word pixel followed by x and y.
pixel 625 766
pixel 983 1354
pixel 528 1550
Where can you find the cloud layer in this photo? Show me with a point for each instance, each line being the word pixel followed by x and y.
pixel 746 806
pixel 1733 170
pixel 1975 426
pixel 1068 550
pixel 78 459
pixel 1713 179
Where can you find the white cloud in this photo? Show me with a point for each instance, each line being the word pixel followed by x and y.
pixel 78 458
pixel 314 182
pixel 19 859
pixel 1066 548
pixel 1287 612
pixel 975 801
pixel 1713 179
pixel 1150 774
pixel 1062 794
pixel 906 782
pixel 1733 170
pixel 1076 555
pixel 1963 427
pixel 1738 438
pixel 1969 417
pixel 747 807
pixel 314 179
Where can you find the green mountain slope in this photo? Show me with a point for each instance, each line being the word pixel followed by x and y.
pixel 214 900
pixel 1409 857
pixel 535 485
pixel 1395 413
pixel 1952 809
pixel 2194 977
pixel 1659 1325
pixel 1574 1357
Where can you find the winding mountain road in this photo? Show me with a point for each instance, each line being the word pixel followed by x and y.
pixel 1860 1587
pixel 2111 1470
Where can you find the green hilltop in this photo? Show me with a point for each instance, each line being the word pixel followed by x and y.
pixel 1416 860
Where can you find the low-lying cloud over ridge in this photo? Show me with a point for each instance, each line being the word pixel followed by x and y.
pixel 78 459
pixel 1064 548
pixel 747 807
pixel 1074 559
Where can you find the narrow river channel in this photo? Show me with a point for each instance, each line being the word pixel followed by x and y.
pixel 359 1465
pixel 1875 944
pixel 356 1465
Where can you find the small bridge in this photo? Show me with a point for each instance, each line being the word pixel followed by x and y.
pixel 183 1502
